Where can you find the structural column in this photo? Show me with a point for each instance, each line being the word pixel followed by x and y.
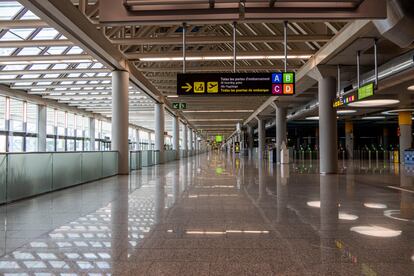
pixel 250 141
pixel 176 137
pixel 328 136
pixel 41 128
pixel 261 132
pixel 120 119
pixel 195 141
pixel 405 122
pixel 190 142
pixel 185 140
pixel 159 130
pixel 137 139
pixel 349 139
pixel 280 130
pixel 92 134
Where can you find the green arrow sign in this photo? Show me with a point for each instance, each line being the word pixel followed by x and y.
pixel 179 106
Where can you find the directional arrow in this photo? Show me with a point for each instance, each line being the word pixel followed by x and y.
pixel 188 87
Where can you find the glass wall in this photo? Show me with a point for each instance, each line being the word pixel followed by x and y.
pixel 102 135
pixel 65 131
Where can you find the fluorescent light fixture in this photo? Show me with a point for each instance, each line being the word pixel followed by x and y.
pixel 396 111
pixel 172 96
pixel 374 103
pixel 219 111
pixel 375 205
pixel 346 111
pixel 312 118
pixel 411 87
pixel 154 59
pixel 373 118
pixel 376 231
pixel 214 120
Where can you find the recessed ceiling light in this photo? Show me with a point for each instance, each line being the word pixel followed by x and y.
pixel 346 111
pixel 411 87
pixel 373 118
pixel 374 103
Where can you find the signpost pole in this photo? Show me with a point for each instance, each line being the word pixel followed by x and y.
pixel 184 46
pixel 338 80
pixel 358 69
pixel 285 25
pixel 234 46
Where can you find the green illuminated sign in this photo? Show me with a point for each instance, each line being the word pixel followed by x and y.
pixel 179 106
pixel 219 138
pixel 366 91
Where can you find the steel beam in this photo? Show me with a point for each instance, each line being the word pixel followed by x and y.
pixel 66 18
pixel 214 69
pixel 178 54
pixel 344 38
pixel 34 43
pixel 209 39
pixel 51 58
pixel 53 71
pixel 22 24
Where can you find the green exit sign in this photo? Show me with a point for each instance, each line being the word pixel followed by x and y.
pixel 179 105
pixel 366 91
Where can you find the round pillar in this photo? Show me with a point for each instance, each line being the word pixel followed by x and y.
pixel 405 122
pixel 328 136
pixel 120 119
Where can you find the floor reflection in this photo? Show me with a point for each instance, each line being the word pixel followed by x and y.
pixel 219 214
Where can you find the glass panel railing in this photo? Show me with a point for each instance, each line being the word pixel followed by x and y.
pixel 3 177
pixel 109 163
pixel 91 166
pixel 135 160
pixel 156 157
pixel 28 175
pixel 66 169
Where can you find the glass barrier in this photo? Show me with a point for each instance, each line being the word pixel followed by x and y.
pixel 135 160
pixel 91 166
pixel 3 174
pixel 28 174
pixel 67 169
pixel 109 163
pixel 156 157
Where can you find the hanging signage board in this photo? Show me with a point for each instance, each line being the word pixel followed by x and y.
pixel 236 84
pixel 219 138
pixel 366 91
pixel 363 92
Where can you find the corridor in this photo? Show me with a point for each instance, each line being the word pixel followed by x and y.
pixel 217 215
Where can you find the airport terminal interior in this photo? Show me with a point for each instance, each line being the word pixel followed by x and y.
pixel 206 137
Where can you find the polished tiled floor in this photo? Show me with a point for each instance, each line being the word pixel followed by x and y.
pixel 215 215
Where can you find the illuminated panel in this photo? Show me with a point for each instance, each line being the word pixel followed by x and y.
pixel 236 84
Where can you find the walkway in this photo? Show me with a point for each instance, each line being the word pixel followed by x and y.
pixel 212 215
